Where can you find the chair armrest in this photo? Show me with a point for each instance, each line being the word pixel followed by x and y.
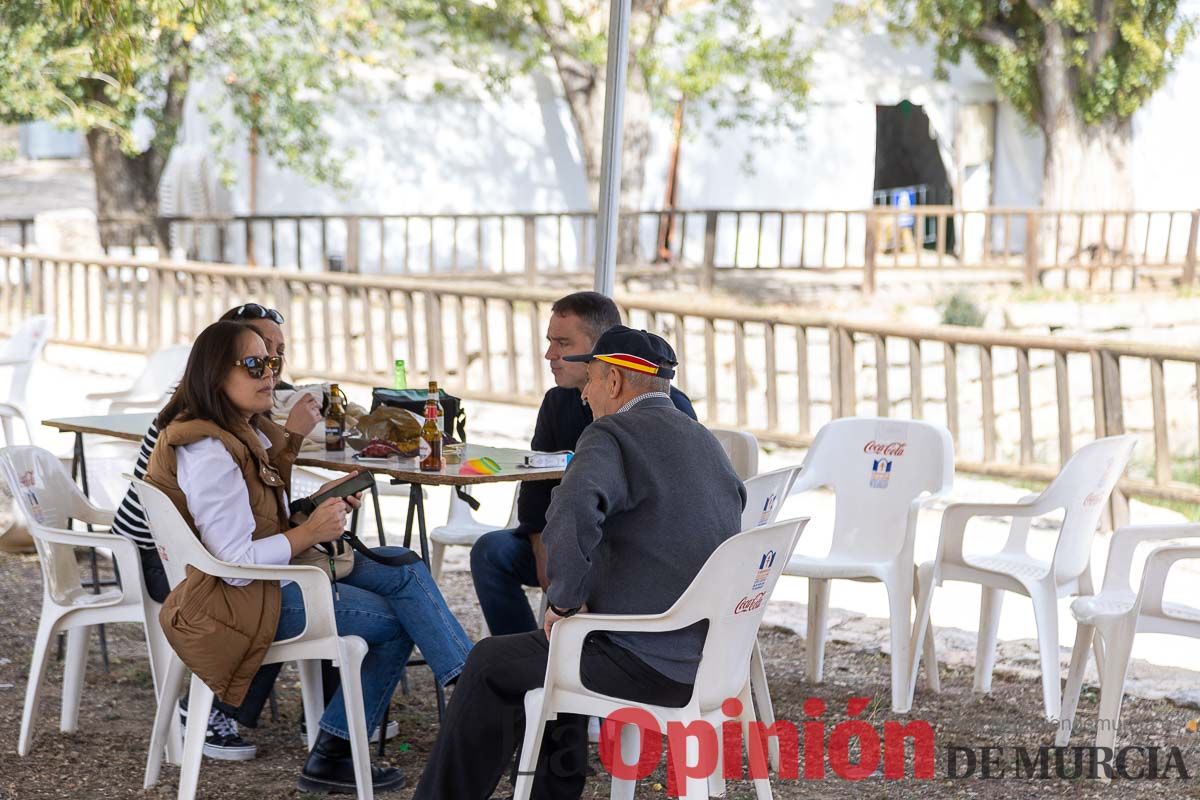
pixel 77 538
pixel 1158 565
pixel 107 395
pixel 568 635
pixel 957 515
pixel 314 589
pixel 1125 540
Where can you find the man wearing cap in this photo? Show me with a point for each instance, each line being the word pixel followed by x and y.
pixel 648 497
pixel 504 562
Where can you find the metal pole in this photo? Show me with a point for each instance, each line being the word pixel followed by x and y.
pixel 610 156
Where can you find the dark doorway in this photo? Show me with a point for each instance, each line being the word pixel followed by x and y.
pixel 907 160
pixel 906 153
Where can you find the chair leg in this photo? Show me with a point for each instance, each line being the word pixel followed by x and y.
pixel 6 424
pixel 1045 615
pixel 531 745
pixel 437 552
pixel 762 699
pixel 991 602
pixel 313 697
pixel 74 667
pixel 631 740
pixel 353 650
pixel 922 636
pixel 1117 648
pixel 200 700
pixel 47 628
pixel 1084 634
pixel 762 784
pixel 900 607
pixel 818 612
pixel 166 721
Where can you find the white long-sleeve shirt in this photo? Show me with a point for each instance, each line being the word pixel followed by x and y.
pixel 219 503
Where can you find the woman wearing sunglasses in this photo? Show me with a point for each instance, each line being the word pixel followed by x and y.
pixel 223 741
pixel 227 466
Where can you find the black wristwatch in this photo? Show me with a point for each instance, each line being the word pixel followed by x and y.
pixel 564 613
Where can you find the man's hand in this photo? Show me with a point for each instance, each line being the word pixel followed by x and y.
pixel 352 500
pixel 304 416
pixel 552 618
pixel 539 557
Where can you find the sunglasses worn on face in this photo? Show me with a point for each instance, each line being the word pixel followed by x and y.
pixel 255 311
pixel 256 364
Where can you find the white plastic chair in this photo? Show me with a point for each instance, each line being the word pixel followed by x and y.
pixel 461 530
pixel 1081 490
pixel 45 493
pixel 742 449
pixel 19 353
pixel 1117 615
pixel 727 578
pixel 151 390
pixel 180 548
pixel 882 473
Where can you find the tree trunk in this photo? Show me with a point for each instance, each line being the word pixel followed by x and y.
pixel 584 91
pixel 1087 167
pixel 126 192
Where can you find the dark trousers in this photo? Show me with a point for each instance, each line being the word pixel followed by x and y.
pixel 502 565
pixel 260 685
pixel 485 719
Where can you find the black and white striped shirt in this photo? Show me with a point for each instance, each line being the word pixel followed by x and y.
pixel 130 520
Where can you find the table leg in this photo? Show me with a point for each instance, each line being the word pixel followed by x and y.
pixel 378 515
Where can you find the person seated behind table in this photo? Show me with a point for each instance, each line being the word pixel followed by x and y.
pixel 218 458
pixel 505 561
pixel 222 739
pixel 648 497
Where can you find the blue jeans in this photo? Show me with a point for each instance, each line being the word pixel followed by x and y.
pixel 502 564
pixel 392 608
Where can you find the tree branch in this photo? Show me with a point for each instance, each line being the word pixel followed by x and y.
pixel 995 36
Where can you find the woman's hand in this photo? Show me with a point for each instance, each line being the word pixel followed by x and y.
pixel 304 416
pixel 352 500
pixel 326 524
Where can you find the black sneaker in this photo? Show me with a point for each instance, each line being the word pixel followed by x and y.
pixel 221 740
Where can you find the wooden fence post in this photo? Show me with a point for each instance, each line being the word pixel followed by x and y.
pixel 869 249
pixel 352 244
pixel 1031 249
pixel 531 259
pixel 1114 424
pixel 708 265
pixel 1189 258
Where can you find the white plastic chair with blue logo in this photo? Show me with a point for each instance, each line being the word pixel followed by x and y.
pixel 731 591
pixel 882 472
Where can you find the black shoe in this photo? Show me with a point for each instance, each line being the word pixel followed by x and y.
pixel 330 769
pixel 222 741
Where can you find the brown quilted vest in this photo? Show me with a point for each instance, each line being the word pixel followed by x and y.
pixel 222 632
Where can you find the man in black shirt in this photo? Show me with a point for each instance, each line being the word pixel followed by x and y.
pixel 504 562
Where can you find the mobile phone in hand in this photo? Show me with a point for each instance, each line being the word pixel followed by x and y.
pixel 363 480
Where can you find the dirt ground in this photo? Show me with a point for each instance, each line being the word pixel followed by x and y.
pixel 106 757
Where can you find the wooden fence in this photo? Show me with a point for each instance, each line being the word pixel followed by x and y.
pixel 1017 405
pixel 1082 248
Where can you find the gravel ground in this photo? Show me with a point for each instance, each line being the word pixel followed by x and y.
pixel 106 757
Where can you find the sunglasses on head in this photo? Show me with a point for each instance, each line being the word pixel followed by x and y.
pixel 256 364
pixel 255 311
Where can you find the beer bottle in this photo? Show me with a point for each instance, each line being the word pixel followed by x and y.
pixel 335 420
pixel 431 432
pixel 436 396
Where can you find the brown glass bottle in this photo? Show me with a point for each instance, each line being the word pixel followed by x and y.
pixel 335 420
pixel 431 432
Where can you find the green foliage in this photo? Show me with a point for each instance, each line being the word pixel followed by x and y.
pixel 716 53
pixel 102 64
pixel 1115 53
pixel 960 309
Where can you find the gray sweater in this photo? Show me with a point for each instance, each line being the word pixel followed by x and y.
pixel 648 496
